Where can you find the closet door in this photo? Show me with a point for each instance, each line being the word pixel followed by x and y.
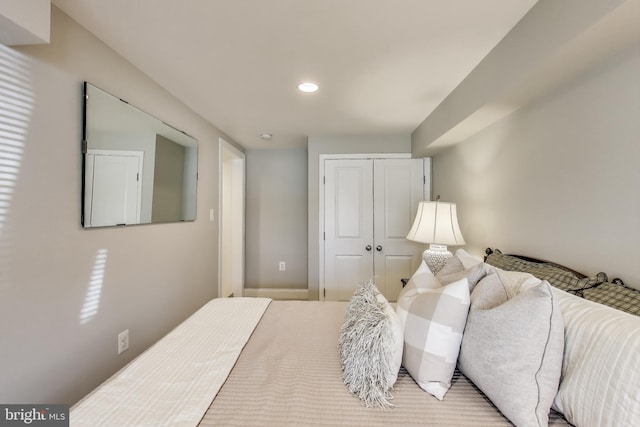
pixel 348 213
pixel 398 188
pixel 369 206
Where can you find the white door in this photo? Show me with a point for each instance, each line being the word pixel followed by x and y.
pixel 231 209
pixel 369 205
pixel 348 217
pixel 398 188
pixel 114 195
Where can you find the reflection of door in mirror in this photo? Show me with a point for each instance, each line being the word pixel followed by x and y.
pixel 113 187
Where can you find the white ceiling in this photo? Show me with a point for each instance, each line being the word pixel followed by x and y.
pixel 382 65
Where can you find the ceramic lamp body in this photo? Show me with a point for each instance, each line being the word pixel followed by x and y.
pixel 436 257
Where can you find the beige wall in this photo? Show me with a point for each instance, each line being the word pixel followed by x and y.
pixel 276 219
pixel 65 292
pixel 560 178
pixel 319 145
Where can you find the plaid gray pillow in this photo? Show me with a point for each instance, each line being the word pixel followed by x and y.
pixel 557 277
pixel 616 296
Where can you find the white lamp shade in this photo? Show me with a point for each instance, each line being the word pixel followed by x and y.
pixel 436 222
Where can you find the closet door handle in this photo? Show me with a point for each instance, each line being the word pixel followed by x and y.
pixel 378 248
pixel 368 248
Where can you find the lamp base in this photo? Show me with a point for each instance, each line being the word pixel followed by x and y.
pixel 436 257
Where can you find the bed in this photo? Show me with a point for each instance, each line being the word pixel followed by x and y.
pixel 257 362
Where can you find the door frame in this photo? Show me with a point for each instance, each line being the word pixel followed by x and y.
pixel 238 207
pixel 321 180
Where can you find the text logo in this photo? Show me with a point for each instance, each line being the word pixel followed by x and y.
pixel 34 415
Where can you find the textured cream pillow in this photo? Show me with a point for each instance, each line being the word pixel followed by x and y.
pixel 433 317
pixel 370 345
pixel 601 369
pixel 513 345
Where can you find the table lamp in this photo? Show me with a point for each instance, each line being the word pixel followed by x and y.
pixel 436 223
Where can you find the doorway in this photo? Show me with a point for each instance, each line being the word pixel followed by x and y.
pixel 231 223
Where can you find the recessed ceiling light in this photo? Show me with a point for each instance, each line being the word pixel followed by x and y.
pixel 266 136
pixel 308 87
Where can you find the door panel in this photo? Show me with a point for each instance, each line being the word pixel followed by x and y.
pixel 349 209
pixel 348 203
pixel 348 273
pixel 398 188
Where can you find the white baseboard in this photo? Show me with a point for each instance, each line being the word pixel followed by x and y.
pixel 278 294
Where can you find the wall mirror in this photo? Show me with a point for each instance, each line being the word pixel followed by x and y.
pixel 136 168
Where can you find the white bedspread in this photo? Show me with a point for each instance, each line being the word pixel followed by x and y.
pixel 174 382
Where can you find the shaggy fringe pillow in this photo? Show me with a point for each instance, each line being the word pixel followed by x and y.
pixel 370 344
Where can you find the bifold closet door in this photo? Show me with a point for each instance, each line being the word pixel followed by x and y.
pixel 348 206
pixel 369 205
pixel 397 189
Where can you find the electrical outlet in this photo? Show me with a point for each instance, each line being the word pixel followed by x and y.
pixel 123 341
pixel 282 266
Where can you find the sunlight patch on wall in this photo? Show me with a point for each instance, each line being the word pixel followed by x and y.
pixel 94 290
pixel 16 106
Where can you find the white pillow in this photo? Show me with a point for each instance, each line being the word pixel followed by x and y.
pixel 433 318
pixel 370 345
pixel 512 346
pixel 601 370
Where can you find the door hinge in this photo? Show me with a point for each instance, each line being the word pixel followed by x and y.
pixel 138 176
pixel 324 293
pixel 324 235
pixel 424 179
pixel 324 179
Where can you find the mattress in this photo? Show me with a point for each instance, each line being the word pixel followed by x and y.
pixel 289 374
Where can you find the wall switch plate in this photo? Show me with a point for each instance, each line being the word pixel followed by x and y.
pixel 282 266
pixel 123 341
